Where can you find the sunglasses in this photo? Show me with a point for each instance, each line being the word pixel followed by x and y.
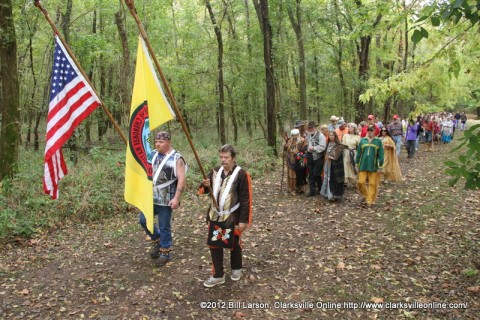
pixel 369 129
pixel 384 130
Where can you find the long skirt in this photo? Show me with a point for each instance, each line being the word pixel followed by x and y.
pixel 292 179
pixel 333 179
pixel 349 166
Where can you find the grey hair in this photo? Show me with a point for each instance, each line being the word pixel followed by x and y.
pixel 228 148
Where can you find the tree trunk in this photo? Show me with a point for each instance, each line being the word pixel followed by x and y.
pixel 339 61
pixel 234 115
pixel 88 121
pixel 66 21
pixel 34 90
pixel 263 15
pixel 10 96
pixel 363 52
pixel 125 94
pixel 317 86
pixel 101 116
pixel 221 91
pixel 405 53
pixel 248 96
pixel 296 21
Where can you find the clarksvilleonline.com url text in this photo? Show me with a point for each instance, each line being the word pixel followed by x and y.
pixel 330 305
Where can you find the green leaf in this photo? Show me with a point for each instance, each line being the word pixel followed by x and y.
pixel 453 181
pixel 422 19
pixel 435 21
pixel 424 32
pixel 458 15
pixel 474 18
pixel 451 164
pixel 472 184
pixel 417 36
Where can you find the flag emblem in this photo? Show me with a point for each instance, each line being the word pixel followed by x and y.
pixel 138 138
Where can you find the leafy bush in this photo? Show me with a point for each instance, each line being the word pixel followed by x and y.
pixel 468 164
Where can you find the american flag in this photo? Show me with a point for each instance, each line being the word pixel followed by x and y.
pixel 71 101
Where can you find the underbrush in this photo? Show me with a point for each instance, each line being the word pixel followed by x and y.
pixel 91 190
pixel 94 188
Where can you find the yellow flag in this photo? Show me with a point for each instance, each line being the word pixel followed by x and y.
pixel 149 110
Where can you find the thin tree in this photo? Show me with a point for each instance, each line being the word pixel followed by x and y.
pixel 124 93
pixel 261 8
pixel 363 55
pixel 296 21
pixel 221 91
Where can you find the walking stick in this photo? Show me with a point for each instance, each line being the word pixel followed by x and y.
pixel 283 170
pixel 284 154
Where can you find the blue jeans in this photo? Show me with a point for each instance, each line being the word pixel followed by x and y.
pixel 398 143
pixel 162 216
pixel 428 136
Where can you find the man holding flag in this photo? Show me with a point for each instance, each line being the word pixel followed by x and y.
pixel 168 185
pixel 162 170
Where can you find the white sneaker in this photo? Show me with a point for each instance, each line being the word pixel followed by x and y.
pixel 236 274
pixel 212 282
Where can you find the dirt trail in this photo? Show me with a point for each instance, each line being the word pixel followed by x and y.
pixel 303 256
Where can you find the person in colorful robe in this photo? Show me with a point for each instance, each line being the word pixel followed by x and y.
pixel 295 148
pixel 391 167
pixel 351 140
pixel 232 189
pixel 169 171
pixel 333 170
pixel 447 130
pixel 369 162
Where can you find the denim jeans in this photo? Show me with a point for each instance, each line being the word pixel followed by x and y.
pixel 162 216
pixel 398 143
pixel 428 136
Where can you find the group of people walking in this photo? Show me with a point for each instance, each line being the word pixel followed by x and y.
pixel 342 154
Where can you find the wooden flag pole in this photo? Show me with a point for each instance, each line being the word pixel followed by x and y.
pixel 133 11
pixel 38 4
